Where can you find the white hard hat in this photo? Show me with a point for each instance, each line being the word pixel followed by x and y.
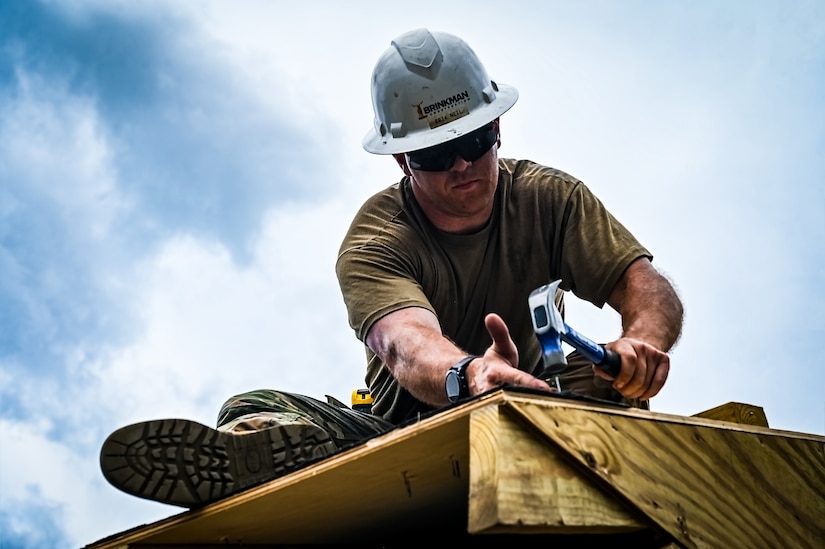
pixel 429 88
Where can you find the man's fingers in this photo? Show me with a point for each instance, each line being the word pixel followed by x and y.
pixel 497 329
pixel 644 369
pixel 642 373
pixel 659 378
pixel 517 378
pixel 490 372
pixel 628 357
pixel 502 342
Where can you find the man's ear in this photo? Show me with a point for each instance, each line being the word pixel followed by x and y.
pixel 401 159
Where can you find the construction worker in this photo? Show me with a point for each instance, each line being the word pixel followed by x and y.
pixel 436 269
pixel 435 272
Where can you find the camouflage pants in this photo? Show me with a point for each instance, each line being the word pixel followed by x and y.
pixel 266 408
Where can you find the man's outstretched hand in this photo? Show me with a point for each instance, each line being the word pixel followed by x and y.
pixel 499 364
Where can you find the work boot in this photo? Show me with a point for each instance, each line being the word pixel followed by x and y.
pixel 184 463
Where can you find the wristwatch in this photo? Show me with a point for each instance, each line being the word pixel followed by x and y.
pixel 456 380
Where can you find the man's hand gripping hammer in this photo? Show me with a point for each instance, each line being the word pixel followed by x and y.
pixel 551 331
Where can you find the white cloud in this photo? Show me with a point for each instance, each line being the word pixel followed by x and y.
pixel 53 146
pixel 214 328
pixel 65 484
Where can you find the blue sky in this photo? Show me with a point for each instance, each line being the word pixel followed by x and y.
pixel 175 179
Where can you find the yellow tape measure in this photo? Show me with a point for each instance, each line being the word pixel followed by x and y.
pixel 362 400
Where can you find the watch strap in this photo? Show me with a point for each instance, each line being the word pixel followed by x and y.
pixel 459 369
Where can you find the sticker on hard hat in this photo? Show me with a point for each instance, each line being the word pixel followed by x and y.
pixel 446 110
pixel 447 117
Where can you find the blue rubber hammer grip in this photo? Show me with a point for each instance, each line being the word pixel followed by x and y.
pixel 605 359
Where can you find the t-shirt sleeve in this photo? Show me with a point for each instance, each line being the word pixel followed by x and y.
pixel 595 247
pixel 375 280
pixel 378 266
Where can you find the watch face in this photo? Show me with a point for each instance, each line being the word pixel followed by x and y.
pixel 453 386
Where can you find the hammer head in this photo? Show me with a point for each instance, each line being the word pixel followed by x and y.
pixel 548 326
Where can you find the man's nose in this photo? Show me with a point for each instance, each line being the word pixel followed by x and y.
pixel 459 165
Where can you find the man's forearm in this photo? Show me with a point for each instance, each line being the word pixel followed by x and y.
pixel 410 344
pixel 651 310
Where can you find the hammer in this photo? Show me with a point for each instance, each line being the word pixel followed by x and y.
pixel 551 331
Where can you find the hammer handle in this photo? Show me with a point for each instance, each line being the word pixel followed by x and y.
pixel 602 357
pixel 611 363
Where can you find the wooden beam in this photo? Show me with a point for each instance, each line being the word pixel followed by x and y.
pixel 531 464
pixel 737 412
pixel 386 487
pixel 707 483
pixel 520 483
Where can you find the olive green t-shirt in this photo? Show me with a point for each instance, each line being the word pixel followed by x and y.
pixel 545 226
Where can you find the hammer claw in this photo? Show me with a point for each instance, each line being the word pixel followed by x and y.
pixel 551 330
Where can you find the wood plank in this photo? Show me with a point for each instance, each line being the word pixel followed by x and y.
pixel 737 412
pixel 402 486
pixel 520 483
pixel 707 483
pixel 389 486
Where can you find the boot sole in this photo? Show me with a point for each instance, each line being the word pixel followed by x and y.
pixel 185 463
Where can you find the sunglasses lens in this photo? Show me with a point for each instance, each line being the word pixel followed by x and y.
pixel 434 159
pixel 441 158
pixel 476 145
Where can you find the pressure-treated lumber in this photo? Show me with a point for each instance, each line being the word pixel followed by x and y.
pixel 737 412
pixel 511 463
pixel 520 483
pixel 707 483
pixel 390 486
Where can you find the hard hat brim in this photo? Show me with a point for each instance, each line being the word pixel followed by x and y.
pixel 373 142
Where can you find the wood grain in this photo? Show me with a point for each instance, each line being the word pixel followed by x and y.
pixel 388 486
pixel 708 484
pixel 510 464
pixel 737 412
pixel 518 482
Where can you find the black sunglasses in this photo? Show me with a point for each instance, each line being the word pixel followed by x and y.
pixel 441 158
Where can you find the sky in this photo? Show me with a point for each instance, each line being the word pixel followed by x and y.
pixel 176 178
